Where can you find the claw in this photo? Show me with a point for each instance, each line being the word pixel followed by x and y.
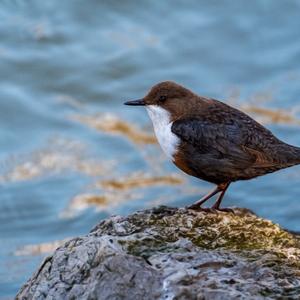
pixel 204 209
pixel 210 209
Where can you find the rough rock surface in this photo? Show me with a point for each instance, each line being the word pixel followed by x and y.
pixel 169 253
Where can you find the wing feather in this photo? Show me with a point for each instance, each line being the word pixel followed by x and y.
pixel 223 141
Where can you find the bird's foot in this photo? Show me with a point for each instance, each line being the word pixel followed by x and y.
pixel 194 207
pixel 204 209
pixel 225 209
pixel 210 209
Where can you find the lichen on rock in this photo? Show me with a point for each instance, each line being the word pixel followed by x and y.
pixel 169 253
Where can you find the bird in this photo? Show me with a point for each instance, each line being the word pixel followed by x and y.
pixel 212 141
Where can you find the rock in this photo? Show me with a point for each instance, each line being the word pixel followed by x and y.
pixel 169 253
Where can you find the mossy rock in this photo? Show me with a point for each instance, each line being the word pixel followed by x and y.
pixel 169 253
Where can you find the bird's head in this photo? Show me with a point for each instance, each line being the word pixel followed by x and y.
pixel 165 97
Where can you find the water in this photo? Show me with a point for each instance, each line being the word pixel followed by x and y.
pixel 71 154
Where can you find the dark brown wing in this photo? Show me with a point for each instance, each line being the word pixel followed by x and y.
pixel 222 141
pixel 230 141
pixel 267 149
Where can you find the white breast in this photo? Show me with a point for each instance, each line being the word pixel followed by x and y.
pixel 162 127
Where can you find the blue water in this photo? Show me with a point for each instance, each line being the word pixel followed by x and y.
pixel 66 65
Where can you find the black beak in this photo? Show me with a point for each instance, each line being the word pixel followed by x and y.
pixel 139 102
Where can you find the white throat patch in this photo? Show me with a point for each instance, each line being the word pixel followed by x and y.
pixel 162 128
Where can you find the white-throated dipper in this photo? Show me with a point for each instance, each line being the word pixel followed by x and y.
pixel 211 140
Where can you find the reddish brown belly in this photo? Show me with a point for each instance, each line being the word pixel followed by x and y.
pixel 180 163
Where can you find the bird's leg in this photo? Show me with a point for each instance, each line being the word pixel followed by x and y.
pixel 198 204
pixel 216 206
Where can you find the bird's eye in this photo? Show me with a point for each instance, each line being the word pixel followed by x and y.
pixel 162 98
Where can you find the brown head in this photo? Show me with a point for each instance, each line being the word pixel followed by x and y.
pixel 170 96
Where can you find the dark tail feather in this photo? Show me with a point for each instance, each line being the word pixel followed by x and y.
pixel 289 155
